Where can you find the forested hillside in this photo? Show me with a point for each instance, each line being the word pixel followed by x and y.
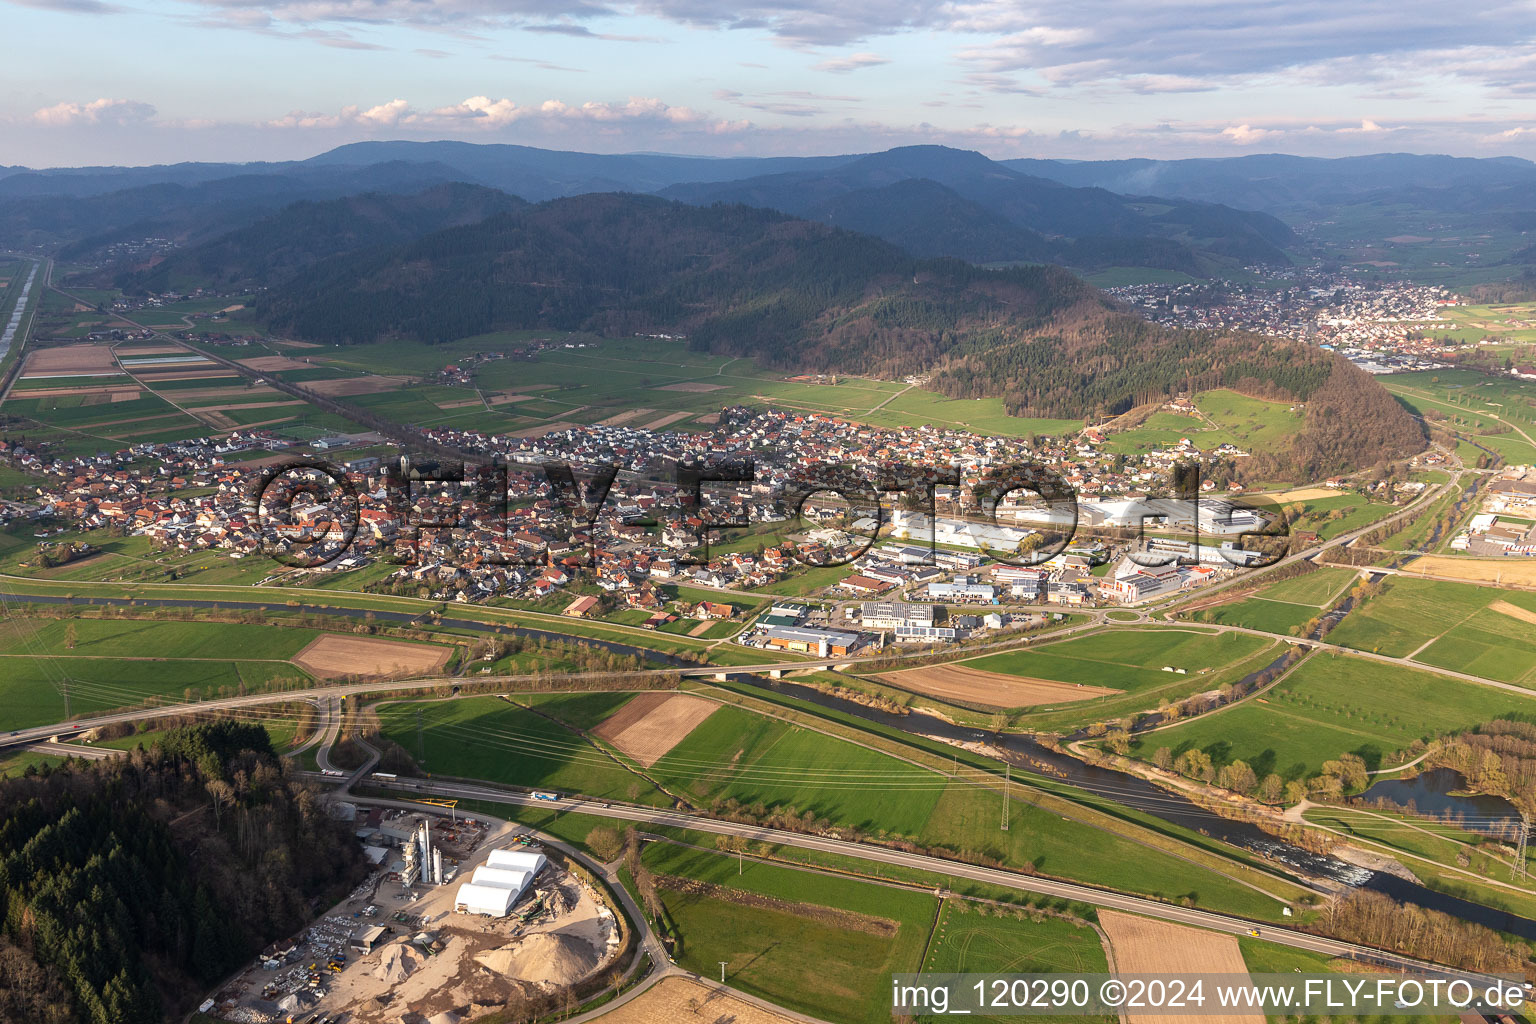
pixel 994 213
pixel 291 239
pixel 804 296
pixel 129 885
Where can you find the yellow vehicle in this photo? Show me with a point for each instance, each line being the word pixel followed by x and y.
pixel 1253 931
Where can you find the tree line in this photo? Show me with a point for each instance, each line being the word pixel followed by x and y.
pixel 113 916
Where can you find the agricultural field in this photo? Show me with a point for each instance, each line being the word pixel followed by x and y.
pixel 1480 630
pixel 958 682
pixel 755 759
pixel 975 938
pixel 1125 659
pixel 1496 412
pixel 333 656
pixel 152 639
pixel 1513 323
pixel 1285 606
pixel 94 419
pixel 653 723
pixel 1128 667
pixel 1518 571
pixel 815 944
pixel 675 999
pixel 1335 704
pixel 643 383
pixel 1142 945
pixel 32 688
pixel 489 738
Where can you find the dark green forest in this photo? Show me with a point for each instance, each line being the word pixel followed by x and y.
pixel 800 295
pixel 130 885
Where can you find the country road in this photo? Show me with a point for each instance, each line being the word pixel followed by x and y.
pixel 1225 923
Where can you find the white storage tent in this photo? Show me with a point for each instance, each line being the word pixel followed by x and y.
pixel 531 861
pixel 494 900
pixel 507 878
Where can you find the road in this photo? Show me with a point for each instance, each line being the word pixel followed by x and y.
pixel 650 943
pixel 1224 923
pixel 25 313
pixel 1413 508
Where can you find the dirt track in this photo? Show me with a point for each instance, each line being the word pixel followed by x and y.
pixel 994 689
pixel 653 723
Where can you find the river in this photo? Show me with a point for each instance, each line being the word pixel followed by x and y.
pixel 1136 792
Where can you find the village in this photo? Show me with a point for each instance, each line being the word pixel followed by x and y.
pixel 954 568
pixel 1382 328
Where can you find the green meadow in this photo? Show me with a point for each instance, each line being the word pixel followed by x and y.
pixel 1448 625
pixel 820 945
pixel 778 767
pixel 1285 606
pixel 1126 659
pixel 1331 705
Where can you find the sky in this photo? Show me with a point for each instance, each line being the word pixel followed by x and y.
pixel 135 82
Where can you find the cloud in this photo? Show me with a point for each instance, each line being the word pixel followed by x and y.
pixel 542 65
pixel 483 113
pixel 1006 84
pixel 69 6
pixel 97 112
pixel 582 32
pixel 852 62
pixel 1174 46
pixel 1247 135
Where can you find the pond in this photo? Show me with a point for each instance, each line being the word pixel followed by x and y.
pixel 1441 793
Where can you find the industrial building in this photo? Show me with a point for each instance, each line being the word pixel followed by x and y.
pixel 806 640
pixel 497 885
pixel 891 614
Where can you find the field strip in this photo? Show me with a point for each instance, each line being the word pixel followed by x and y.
pixel 649 726
pixel 994 689
pixel 1447 632
pixel 334 654
pixel 1142 945
pixel 146 657
pixel 1271 706
pixel 1513 611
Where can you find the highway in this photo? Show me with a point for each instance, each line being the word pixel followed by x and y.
pixel 1224 923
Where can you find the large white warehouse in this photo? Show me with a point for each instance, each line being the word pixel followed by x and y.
pixel 494 900
pixel 498 884
pixel 529 860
